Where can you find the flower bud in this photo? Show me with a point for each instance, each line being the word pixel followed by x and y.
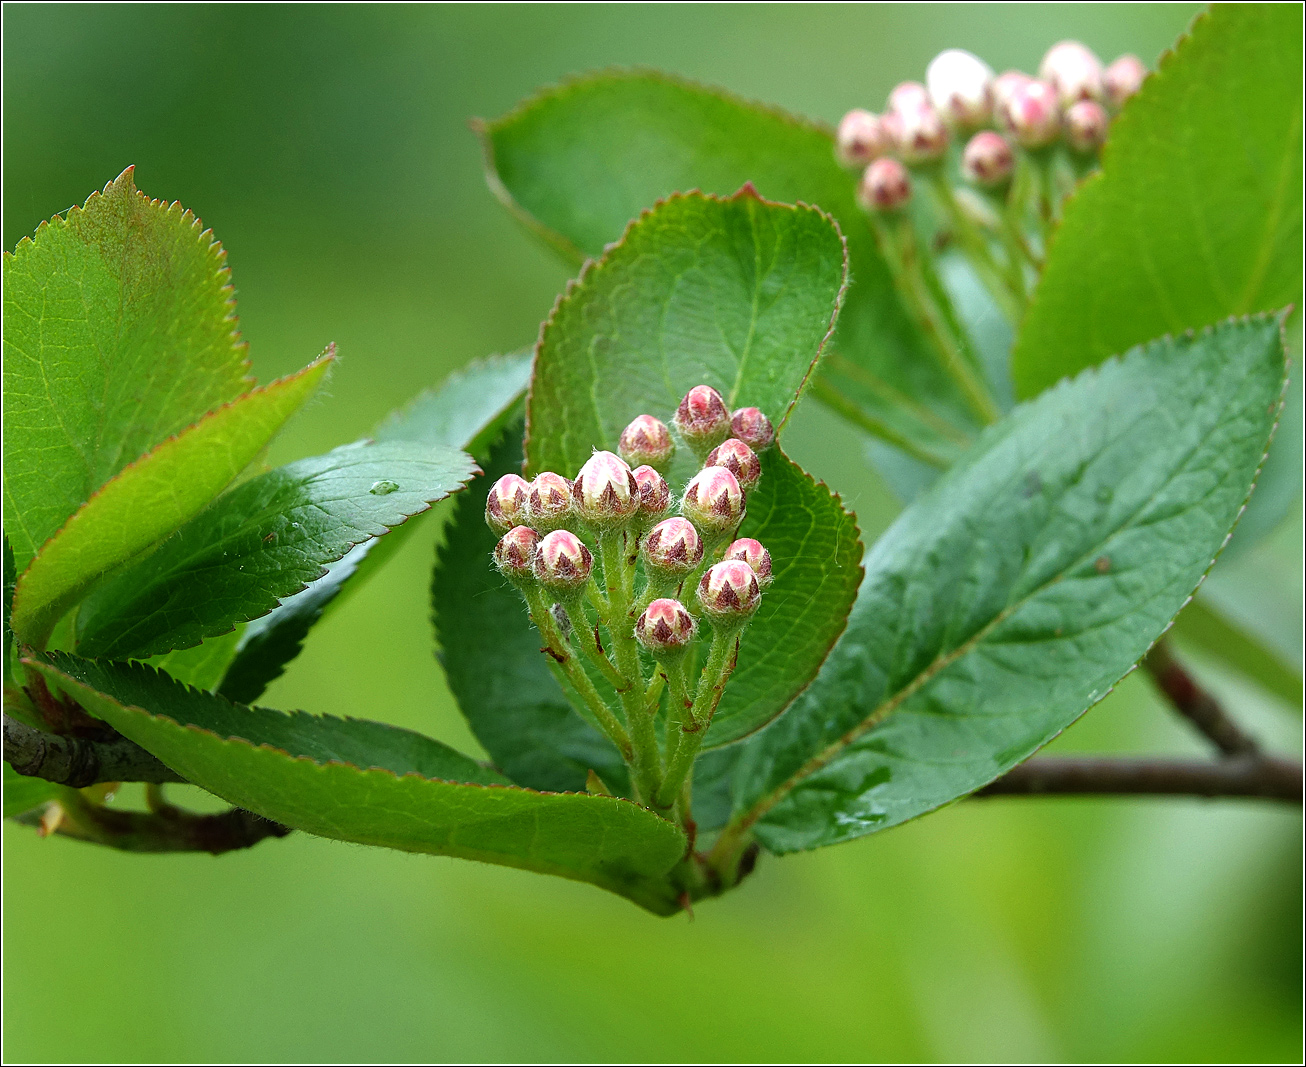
pixel 729 592
pixel 713 500
pixel 1123 78
pixel 1005 86
pixel 860 139
pixel 739 460
pixel 654 494
pixel 702 419
pixel 908 96
pixel 647 441
pixel 605 491
pixel 549 503
pixel 1074 71
pixel 753 428
pixel 1086 125
pixel 918 134
pixel 672 548
pixel 505 507
pixel 1032 114
pixel 988 160
pixel 960 86
pixel 514 555
pixel 758 558
pixel 563 563
pixel 665 628
pixel 886 186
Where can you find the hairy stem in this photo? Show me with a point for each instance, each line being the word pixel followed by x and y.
pixel 996 280
pixel 711 684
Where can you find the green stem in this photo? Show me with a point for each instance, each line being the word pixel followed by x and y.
pixel 858 416
pixel 587 640
pixel 716 672
pixel 976 246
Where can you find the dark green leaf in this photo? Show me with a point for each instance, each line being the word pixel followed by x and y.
pixel 10 579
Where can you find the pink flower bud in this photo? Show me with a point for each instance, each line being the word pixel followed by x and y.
pixel 702 418
pixel 1074 71
pixel 1086 125
pixel 918 134
pixel 654 494
pixel 505 507
pixel 562 562
pixel 713 500
pixel 908 96
pixel 988 159
pixel 605 491
pixel 1032 114
pixel 1123 78
pixel 886 186
pixel 739 460
pixel 647 441
pixel 549 503
pixel 672 548
pixel 665 628
pixel 729 592
pixel 860 139
pixel 514 555
pixel 1005 86
pixel 753 428
pixel 960 86
pixel 758 558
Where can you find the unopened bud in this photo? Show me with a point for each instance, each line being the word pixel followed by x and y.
pixel 563 563
pixel 1032 114
pixel 960 86
pixel 713 500
pixel 665 628
pixel 605 491
pixel 758 558
pixel 647 441
pixel 908 96
pixel 1122 79
pixel 918 134
pixel 549 503
pixel 514 555
pixel 860 139
pixel 988 159
pixel 739 460
pixel 654 493
pixel 672 549
pixel 729 592
pixel 886 186
pixel 753 428
pixel 702 419
pixel 1005 86
pixel 1074 71
pixel 505 507
pixel 1086 125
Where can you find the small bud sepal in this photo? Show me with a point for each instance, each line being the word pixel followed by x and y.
pixel 860 139
pixel 549 504
pixel 729 593
pixel 505 507
pixel 671 550
pixel 713 500
pixel 1086 126
pixel 749 551
pixel 702 419
pixel 1122 79
pixel 886 186
pixel 605 492
pixel 665 629
pixel 753 428
pixel 654 494
pixel 988 160
pixel 563 564
pixel 739 460
pixel 514 555
pixel 647 442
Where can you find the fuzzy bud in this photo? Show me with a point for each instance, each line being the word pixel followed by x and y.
pixel 514 555
pixel 860 139
pixel 1004 88
pixel 647 441
pixel 563 563
pixel 1086 125
pixel 739 460
pixel 605 490
pixel 702 419
pixel 908 96
pixel 549 503
pixel 654 494
pixel 713 500
pixel 753 428
pixel 758 558
pixel 505 506
pixel 729 592
pixel 961 88
pixel 1074 71
pixel 988 160
pixel 886 186
pixel 665 628
pixel 918 134
pixel 1032 114
pixel 672 548
pixel 1122 79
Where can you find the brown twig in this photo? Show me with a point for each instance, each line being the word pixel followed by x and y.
pixel 79 761
pixel 1195 704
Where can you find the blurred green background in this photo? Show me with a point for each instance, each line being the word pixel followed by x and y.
pixel 328 148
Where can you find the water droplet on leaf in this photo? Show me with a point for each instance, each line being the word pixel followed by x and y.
pixel 383 487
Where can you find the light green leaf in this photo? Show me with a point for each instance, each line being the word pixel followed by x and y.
pixel 151 497
pixel 264 540
pixel 23 793
pixel 375 784
pixel 1202 628
pixel 204 665
pixel 1197 212
pixel 120 330
pixel 1015 592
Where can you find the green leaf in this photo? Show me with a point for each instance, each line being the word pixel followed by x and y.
pixel 469 412
pixel 10 580
pixel 264 540
pixel 23 793
pixel 1015 592
pixel 153 496
pixel 1197 212
pixel 1202 628
pixel 204 665
pixel 120 330
pixel 740 294
pixel 375 784
pixel 817 557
